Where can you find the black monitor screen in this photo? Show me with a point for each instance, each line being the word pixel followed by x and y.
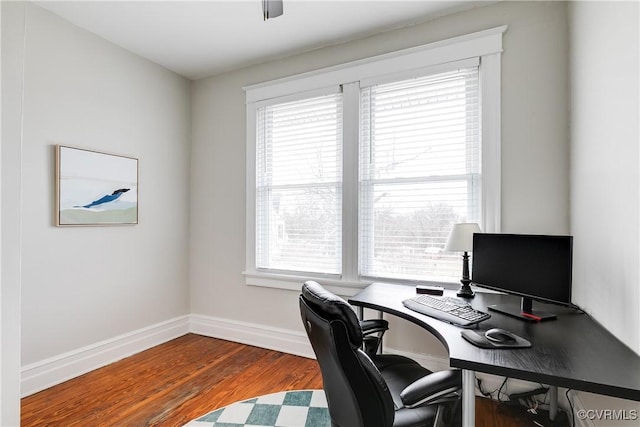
pixel 534 266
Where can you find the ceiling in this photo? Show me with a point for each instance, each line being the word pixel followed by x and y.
pixel 201 38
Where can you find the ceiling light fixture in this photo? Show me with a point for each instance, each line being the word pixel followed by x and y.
pixel 271 8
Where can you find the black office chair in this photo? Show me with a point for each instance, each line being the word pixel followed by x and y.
pixel 372 390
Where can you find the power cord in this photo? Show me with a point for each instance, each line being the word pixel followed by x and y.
pixel 482 392
pixel 489 394
pixel 500 389
pixel 546 394
pixel 573 415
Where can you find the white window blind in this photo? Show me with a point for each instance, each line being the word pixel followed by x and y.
pixel 419 173
pixel 299 185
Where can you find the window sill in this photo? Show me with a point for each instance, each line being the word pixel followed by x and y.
pixel 294 282
pixel 341 287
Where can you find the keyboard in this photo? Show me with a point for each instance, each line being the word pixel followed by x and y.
pixel 448 309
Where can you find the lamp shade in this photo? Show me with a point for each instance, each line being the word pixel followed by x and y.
pixel 461 237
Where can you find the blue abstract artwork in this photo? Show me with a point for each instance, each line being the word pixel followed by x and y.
pixel 95 188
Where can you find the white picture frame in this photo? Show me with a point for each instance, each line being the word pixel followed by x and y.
pixel 95 188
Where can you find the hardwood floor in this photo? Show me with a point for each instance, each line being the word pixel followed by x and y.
pixel 169 385
pixel 183 379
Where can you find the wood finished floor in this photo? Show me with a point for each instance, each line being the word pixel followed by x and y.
pixel 183 379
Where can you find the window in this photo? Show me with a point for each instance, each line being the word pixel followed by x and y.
pixel 420 173
pixel 358 172
pixel 299 185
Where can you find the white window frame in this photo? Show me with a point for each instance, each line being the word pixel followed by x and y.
pixel 254 109
pixel 485 45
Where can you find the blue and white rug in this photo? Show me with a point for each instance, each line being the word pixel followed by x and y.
pixel 300 408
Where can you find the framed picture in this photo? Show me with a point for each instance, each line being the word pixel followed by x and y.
pixel 94 188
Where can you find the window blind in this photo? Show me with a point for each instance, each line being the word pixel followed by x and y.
pixel 299 185
pixel 419 173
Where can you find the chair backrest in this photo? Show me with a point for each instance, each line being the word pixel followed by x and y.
pixel 357 394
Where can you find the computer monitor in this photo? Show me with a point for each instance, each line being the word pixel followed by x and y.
pixel 535 267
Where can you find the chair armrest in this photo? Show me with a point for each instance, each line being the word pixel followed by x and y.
pixel 372 331
pixel 373 325
pixel 431 388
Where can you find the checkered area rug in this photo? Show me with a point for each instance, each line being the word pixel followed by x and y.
pixel 300 408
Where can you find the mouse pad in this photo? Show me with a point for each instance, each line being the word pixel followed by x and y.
pixel 478 339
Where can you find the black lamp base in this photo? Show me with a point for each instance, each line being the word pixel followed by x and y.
pixel 465 290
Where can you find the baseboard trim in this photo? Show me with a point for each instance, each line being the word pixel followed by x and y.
pixel 284 340
pixel 55 370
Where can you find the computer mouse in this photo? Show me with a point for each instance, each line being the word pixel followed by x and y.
pixel 500 336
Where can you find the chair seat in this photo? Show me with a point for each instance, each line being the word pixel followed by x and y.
pixel 398 372
pixel 415 417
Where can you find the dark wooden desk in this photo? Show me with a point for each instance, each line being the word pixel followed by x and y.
pixel 573 351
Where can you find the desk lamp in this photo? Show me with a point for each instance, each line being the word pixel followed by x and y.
pixel 461 240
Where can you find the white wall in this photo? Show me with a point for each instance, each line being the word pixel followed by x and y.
pixel 12 56
pixel 84 285
pixel 605 186
pixel 535 154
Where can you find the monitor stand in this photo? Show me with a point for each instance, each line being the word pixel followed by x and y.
pixel 523 311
